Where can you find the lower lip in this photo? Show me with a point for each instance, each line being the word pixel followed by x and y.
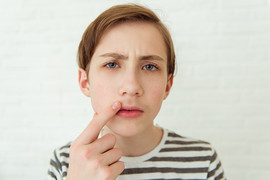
pixel 129 114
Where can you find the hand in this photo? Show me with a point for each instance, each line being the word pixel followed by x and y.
pixel 92 158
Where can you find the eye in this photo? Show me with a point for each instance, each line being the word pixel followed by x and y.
pixel 150 67
pixel 112 65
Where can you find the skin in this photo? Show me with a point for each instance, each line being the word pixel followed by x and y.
pixel 128 68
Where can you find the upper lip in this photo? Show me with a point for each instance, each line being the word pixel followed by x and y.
pixel 131 108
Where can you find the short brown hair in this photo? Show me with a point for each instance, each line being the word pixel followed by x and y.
pixel 119 14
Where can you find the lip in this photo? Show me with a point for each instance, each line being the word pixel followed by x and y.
pixel 129 112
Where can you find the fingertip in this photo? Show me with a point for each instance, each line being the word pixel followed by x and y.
pixel 112 137
pixel 116 105
pixel 122 165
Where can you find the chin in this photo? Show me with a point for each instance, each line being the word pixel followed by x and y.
pixel 125 128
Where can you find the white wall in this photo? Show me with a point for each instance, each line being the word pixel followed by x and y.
pixel 220 94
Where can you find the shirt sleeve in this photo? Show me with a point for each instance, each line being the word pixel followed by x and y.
pixel 215 170
pixel 55 168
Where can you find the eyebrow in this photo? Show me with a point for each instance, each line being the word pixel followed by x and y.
pixel 114 55
pixel 123 57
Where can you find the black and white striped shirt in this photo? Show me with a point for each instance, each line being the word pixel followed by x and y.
pixel 176 157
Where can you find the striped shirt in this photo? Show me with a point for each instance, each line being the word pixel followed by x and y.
pixel 176 157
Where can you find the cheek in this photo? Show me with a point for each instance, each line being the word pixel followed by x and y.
pixel 100 97
pixel 155 98
pixel 157 93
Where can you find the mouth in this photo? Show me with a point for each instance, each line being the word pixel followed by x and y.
pixel 129 112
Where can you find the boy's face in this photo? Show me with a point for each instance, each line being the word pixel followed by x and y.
pixel 130 66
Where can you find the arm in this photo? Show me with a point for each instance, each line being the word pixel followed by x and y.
pixel 57 169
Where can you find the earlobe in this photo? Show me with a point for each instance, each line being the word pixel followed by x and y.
pixel 169 85
pixel 83 82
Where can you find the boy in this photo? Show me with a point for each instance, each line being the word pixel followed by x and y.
pixel 126 59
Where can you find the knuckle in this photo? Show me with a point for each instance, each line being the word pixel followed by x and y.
pixel 107 173
pixel 88 152
pixel 97 162
pixel 90 149
pixel 94 165
pixel 82 153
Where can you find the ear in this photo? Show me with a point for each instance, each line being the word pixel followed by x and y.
pixel 169 85
pixel 83 82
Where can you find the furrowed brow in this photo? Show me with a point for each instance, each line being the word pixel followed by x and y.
pixel 151 57
pixel 115 56
pixel 123 57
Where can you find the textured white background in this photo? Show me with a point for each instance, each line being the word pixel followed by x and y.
pixel 221 91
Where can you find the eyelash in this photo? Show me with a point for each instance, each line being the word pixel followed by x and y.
pixel 152 65
pixel 144 67
pixel 107 65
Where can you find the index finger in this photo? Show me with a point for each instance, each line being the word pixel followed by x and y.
pixel 93 129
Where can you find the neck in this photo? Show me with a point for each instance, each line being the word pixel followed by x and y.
pixel 139 144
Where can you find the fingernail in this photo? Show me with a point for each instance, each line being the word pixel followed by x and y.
pixel 116 105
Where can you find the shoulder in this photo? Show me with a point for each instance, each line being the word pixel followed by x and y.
pixel 184 145
pixel 197 150
pixel 175 138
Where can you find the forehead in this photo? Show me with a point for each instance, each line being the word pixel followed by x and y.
pixel 143 36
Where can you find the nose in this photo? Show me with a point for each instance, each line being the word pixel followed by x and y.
pixel 131 85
